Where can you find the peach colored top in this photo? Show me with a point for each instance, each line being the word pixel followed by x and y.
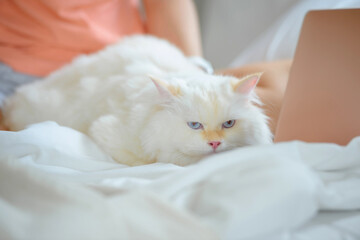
pixel 39 36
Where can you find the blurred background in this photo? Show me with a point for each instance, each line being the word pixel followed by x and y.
pixel 229 26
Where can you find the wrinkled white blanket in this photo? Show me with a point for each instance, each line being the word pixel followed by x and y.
pixel 55 183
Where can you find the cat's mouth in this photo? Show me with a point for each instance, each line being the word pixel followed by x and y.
pixel 215 151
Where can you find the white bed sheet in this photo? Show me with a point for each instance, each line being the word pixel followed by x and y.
pixel 55 183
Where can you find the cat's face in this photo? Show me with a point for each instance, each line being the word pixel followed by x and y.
pixel 202 115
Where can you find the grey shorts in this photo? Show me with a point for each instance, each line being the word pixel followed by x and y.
pixel 10 80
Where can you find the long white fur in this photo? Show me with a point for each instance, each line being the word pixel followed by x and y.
pixel 110 97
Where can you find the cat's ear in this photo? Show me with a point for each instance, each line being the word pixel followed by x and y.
pixel 246 84
pixel 165 90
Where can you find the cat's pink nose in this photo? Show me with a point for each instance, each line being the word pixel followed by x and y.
pixel 214 144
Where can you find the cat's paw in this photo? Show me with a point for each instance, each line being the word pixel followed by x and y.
pixel 110 133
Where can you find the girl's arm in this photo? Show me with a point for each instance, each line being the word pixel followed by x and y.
pixel 176 21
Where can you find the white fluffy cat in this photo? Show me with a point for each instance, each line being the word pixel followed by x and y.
pixel 143 101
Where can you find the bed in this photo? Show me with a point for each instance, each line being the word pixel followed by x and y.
pixel 55 183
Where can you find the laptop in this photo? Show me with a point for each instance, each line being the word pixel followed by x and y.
pixel 322 98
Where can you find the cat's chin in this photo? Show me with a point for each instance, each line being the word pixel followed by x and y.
pixel 211 153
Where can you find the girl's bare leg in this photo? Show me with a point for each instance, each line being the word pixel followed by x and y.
pixel 271 87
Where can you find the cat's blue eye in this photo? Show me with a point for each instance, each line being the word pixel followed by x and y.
pixel 195 125
pixel 228 124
